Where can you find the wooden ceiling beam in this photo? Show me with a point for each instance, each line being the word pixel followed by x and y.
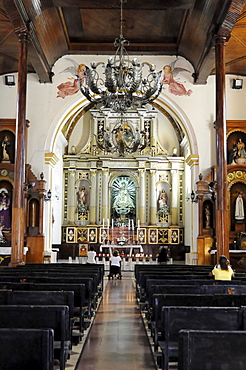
pixel 130 4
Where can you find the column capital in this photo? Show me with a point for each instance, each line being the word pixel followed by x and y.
pixel 93 172
pixel 105 171
pixel 141 171
pixel 152 173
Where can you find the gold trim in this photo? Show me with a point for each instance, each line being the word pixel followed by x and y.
pixel 51 159
pixel 192 160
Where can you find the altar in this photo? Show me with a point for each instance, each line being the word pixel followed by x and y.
pixel 5 255
pixel 119 247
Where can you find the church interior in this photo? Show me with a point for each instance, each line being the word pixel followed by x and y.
pixel 122 127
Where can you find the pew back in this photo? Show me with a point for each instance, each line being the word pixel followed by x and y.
pixel 211 350
pixel 26 349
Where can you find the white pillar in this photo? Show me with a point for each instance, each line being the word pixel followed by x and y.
pixel 152 197
pixel 93 198
pixel 142 197
pixel 105 205
pixel 71 199
pixel 175 196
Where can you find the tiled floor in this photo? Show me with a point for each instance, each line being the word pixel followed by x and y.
pixel 117 339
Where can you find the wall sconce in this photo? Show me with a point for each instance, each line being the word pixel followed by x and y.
pixel 193 197
pixel 237 83
pixel 29 185
pixel 10 80
pixel 47 197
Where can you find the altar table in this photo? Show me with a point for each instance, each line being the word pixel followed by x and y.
pixel 116 246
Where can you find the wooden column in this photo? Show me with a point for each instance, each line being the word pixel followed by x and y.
pixel 18 211
pixel 222 220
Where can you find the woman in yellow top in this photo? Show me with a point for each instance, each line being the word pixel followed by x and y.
pixel 223 271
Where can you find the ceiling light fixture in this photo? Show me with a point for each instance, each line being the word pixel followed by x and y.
pixel 124 86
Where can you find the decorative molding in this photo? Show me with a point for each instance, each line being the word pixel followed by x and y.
pixel 192 160
pixel 51 159
pixel 236 176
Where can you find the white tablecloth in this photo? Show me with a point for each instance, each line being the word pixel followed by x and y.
pixel 7 250
pixel 116 246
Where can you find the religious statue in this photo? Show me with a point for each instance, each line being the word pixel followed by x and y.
pixel 239 207
pixel 2 238
pixel 5 210
pixel 162 199
pixel 6 149
pixel 123 202
pixel 207 217
pixel 82 195
pixel 241 148
pixel 82 206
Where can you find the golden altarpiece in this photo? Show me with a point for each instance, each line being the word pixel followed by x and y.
pixel 120 183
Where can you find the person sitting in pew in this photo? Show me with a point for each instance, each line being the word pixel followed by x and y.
pixel 223 270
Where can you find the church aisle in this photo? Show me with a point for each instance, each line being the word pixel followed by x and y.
pixel 117 339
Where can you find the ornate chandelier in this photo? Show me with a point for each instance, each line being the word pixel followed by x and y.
pixel 124 86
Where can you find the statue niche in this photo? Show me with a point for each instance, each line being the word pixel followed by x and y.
pixel 237 206
pixel 123 200
pixel 83 201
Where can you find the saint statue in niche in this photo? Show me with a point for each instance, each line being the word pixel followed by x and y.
pixel 82 195
pixel 82 200
pixel 6 149
pixel 123 197
pixel 123 202
pixel 207 217
pixel 163 198
pixel 239 207
pixel 5 210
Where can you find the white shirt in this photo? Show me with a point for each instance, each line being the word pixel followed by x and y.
pixel 91 255
pixel 115 261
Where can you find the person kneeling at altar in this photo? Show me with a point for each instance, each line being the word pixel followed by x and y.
pixel 115 265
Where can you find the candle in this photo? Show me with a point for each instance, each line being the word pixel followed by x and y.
pixel 132 225
pixel 112 223
pixel 103 223
pixel 129 224
pixel 138 223
pixel 108 223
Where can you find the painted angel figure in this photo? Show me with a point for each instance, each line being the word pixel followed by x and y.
pixel 176 88
pixel 72 87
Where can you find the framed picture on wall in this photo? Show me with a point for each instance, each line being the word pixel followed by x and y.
pixel 82 235
pixel 152 236
pixel 141 236
pixel 71 235
pixel 92 237
pixel 104 235
pixel 163 236
pixel 174 236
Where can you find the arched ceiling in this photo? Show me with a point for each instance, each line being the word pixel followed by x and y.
pixel 153 27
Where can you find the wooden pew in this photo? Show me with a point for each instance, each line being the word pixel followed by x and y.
pixel 211 350
pixel 43 298
pixel 77 289
pixel 88 282
pixel 41 317
pixel 175 319
pixel 26 349
pixel 161 300
pixel 79 299
pixel 4 296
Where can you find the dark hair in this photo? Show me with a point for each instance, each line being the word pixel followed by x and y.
pixel 91 248
pixel 223 262
pixel 115 253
